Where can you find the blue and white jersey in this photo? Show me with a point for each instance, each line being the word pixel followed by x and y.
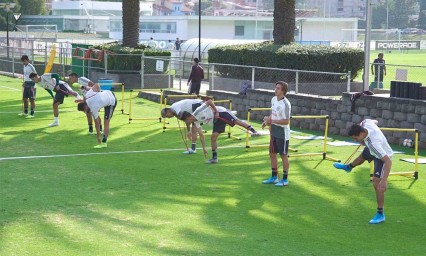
pixel 375 140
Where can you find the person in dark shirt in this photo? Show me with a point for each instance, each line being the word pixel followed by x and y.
pixel 177 44
pixel 378 69
pixel 194 80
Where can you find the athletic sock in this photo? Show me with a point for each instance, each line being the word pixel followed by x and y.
pixel 90 127
pixel 251 129
pixel 25 110
pixel 56 119
pixel 351 166
pixel 285 174
pixel 104 139
pixel 380 210
pixel 193 146
pixel 32 112
pixel 100 127
pixel 214 153
pixel 274 172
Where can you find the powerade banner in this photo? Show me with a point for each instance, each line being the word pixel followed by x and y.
pixel 403 45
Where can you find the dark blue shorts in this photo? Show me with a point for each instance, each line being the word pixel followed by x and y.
pixel 378 163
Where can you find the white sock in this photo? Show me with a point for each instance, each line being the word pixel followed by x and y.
pixel 56 119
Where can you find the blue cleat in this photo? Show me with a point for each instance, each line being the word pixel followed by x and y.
pixel 341 166
pixel 378 218
pixel 281 183
pixel 271 180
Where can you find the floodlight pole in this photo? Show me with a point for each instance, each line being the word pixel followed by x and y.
pixel 367 45
pixel 199 30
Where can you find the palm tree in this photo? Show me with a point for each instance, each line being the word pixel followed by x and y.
pixel 284 21
pixel 130 23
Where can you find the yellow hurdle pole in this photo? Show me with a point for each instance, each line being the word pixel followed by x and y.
pixel 161 103
pixel 247 135
pixel 130 106
pixel 325 139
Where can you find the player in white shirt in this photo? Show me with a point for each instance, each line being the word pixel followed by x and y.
pixel 176 110
pixel 279 123
pixel 83 82
pixel 51 82
pixel 29 92
pixel 376 149
pixel 94 100
pixel 217 116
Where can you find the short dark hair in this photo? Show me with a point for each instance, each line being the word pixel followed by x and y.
pixel 73 74
pixel 356 130
pixel 81 106
pixel 164 112
pixel 32 75
pixel 196 60
pixel 284 86
pixel 25 57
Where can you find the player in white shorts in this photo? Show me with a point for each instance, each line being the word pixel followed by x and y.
pixel 376 149
pixel 176 110
pixel 94 100
pixel 51 82
pixel 217 116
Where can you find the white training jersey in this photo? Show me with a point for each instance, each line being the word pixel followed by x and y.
pixel 47 82
pixel 205 114
pixel 375 140
pixel 281 109
pixel 98 100
pixel 28 69
pixel 184 105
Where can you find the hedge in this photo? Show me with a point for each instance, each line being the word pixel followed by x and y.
pixel 294 56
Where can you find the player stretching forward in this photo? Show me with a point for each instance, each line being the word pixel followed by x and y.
pixel 94 100
pixel 378 150
pixel 176 110
pixel 208 113
pixel 51 82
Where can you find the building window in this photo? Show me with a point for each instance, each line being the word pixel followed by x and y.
pixel 239 30
pixel 340 5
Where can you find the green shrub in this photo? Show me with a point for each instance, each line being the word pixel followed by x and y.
pixel 294 56
pixel 129 59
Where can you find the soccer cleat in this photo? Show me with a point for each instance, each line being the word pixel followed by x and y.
pixel 53 124
pixel 212 161
pixel 29 116
pixel 282 183
pixel 341 166
pixel 271 180
pixel 379 217
pixel 102 145
pixel 90 133
pixel 189 151
pixel 23 114
pixel 255 133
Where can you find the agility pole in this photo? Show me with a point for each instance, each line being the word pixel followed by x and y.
pixel 413 173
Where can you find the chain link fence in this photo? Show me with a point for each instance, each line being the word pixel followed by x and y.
pixel 153 72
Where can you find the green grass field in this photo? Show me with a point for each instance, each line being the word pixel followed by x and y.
pixel 142 196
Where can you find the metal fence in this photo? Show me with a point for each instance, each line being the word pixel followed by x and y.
pixel 148 72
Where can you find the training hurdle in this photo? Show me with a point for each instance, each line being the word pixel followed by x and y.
pixel 324 153
pixel 143 118
pixel 415 172
pixel 230 108
pixel 179 96
pixel 122 97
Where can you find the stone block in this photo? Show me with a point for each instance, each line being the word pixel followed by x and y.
pixel 387 114
pixel 413 118
pixel 346 117
pixel 357 119
pixel 362 111
pixel 399 116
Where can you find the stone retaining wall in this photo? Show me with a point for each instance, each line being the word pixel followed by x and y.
pixel 390 112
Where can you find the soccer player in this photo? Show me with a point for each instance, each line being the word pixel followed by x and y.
pixel 74 80
pixel 29 92
pixel 94 100
pixel 176 110
pixel 51 82
pixel 279 123
pixel 219 117
pixel 376 149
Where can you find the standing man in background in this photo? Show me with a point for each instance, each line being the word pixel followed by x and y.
pixel 177 44
pixel 378 69
pixel 194 80
pixel 29 92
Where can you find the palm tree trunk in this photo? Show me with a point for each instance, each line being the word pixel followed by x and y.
pixel 130 23
pixel 284 21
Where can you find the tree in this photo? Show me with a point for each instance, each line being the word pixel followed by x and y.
pixel 422 15
pixel 130 23
pixel 284 21
pixel 32 7
pixel 400 10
